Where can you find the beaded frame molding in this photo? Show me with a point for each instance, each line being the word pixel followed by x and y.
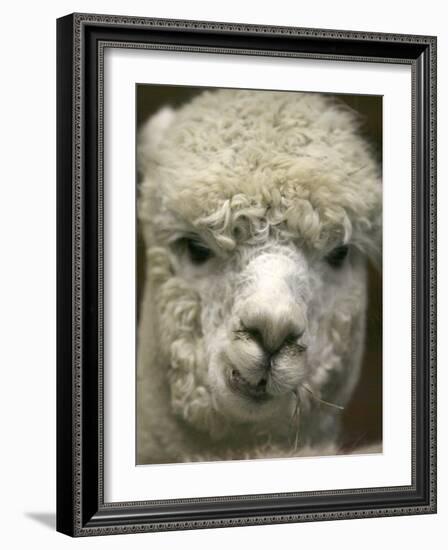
pixel 81 509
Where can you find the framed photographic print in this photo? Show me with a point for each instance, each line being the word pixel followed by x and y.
pixel 246 274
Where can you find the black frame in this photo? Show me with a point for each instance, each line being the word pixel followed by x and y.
pixel 81 38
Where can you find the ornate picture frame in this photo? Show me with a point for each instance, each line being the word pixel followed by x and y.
pixel 81 506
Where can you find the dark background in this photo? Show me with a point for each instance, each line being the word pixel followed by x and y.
pixel 362 419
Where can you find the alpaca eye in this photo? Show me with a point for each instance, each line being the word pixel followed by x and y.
pixel 337 256
pixel 198 252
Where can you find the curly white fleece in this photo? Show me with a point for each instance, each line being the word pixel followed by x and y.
pixel 271 179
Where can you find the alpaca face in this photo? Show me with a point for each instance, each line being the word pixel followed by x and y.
pixel 258 211
pixel 274 323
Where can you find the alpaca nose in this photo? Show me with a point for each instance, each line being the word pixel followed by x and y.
pixel 273 325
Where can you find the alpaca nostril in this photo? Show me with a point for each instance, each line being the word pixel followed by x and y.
pixel 273 340
pixel 273 324
pixel 292 338
pixel 255 334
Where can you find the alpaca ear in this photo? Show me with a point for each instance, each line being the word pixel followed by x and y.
pixel 151 134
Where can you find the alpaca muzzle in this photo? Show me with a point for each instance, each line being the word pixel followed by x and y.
pixel 267 351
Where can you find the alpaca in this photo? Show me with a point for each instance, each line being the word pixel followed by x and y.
pixel 259 211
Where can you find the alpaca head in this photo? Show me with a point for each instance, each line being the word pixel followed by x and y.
pixel 258 211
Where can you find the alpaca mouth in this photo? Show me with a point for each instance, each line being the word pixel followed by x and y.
pixel 256 392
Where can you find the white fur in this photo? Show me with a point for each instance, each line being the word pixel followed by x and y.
pixel 270 183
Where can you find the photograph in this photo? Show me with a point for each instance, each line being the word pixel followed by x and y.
pixel 246 249
pixel 220 298
pixel 259 274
